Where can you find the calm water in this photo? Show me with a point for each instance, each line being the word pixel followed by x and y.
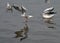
pixel 39 31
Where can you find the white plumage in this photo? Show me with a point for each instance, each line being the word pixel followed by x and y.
pixel 48 13
pixel 48 10
pixel 47 16
pixel 26 16
pixel 24 7
pixel 9 7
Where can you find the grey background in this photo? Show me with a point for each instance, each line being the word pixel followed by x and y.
pixel 39 32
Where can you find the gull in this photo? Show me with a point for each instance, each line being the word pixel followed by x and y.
pixel 22 9
pixel 48 13
pixel 9 7
pixel 26 16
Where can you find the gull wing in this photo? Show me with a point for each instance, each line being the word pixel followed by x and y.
pixel 24 7
pixel 49 9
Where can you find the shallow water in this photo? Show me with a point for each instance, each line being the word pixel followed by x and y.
pixel 39 31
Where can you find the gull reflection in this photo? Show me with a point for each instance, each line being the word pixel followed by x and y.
pixel 22 34
pixel 50 23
